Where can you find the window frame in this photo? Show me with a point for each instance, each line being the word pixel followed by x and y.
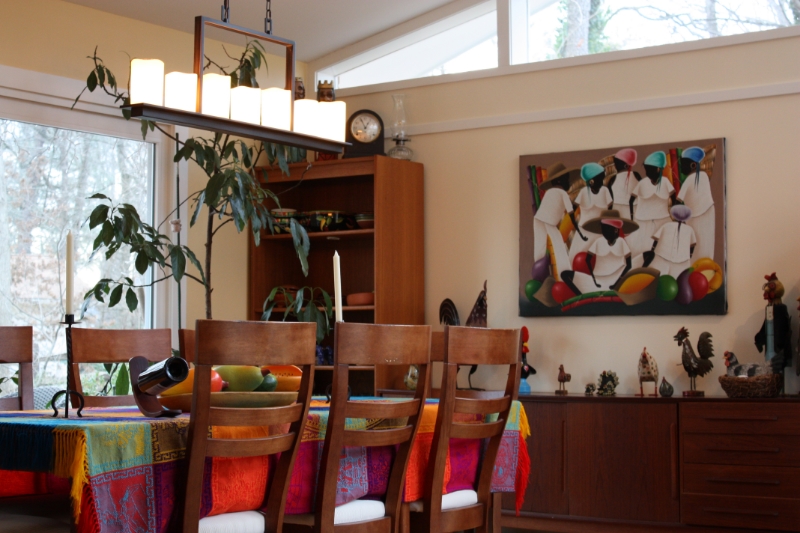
pixel 22 99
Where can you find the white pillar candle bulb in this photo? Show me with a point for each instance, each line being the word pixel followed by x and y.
pixel 180 91
pixel 332 120
pixel 147 81
pixel 276 108
pixel 337 287
pixel 216 95
pixel 246 104
pixel 306 117
pixel 70 274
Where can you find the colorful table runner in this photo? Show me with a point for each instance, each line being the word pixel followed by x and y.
pixel 124 466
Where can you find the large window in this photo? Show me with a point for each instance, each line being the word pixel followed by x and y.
pixel 552 29
pixel 46 177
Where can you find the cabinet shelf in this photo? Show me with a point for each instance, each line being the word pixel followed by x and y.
pixel 352 367
pixel 344 308
pixel 346 234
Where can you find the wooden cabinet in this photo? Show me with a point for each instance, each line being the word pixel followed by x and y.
pixel 387 259
pixel 666 464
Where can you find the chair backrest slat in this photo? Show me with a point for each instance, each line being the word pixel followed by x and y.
pixel 382 437
pixel 16 346
pixel 249 447
pixel 477 431
pixel 489 347
pixel 270 416
pixel 382 410
pixel 481 406
pixel 216 344
pixel 385 345
pixel 186 344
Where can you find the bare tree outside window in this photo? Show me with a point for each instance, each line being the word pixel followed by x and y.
pixel 46 176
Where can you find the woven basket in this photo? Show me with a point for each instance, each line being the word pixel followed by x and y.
pixel 768 386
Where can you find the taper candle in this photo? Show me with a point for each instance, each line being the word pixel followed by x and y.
pixel 70 273
pixel 337 287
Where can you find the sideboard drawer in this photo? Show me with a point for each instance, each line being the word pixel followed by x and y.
pixel 766 418
pixel 754 450
pixel 756 481
pixel 734 511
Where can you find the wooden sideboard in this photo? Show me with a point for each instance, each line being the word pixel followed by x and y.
pixel 660 464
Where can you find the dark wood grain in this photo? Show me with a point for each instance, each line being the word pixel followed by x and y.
pixel 754 450
pixel 731 480
pixel 755 418
pixel 247 343
pixel 16 346
pixel 619 461
pixel 186 344
pixel 736 511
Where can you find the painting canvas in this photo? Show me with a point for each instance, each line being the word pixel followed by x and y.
pixel 628 230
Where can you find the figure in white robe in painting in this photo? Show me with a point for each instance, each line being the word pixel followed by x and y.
pixel 592 200
pixel 652 196
pixel 622 184
pixel 609 257
pixel 696 194
pixel 674 243
pixel 555 204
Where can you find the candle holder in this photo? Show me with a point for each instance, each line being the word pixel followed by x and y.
pixel 69 321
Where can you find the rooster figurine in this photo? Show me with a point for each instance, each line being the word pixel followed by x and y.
pixel 695 366
pixel 448 315
pixel 648 371
pixel 775 336
pixel 563 378
pixel 748 370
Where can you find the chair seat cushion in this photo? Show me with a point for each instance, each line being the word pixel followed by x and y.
pixel 454 500
pixel 359 511
pixel 243 522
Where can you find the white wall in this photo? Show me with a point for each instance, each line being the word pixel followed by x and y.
pixel 472 188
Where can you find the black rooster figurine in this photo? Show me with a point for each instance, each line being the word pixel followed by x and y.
pixel 775 336
pixel 448 315
pixel 527 369
pixel 695 366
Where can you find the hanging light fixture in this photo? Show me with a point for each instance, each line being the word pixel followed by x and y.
pixel 242 111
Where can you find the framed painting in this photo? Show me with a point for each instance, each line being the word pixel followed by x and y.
pixel 629 230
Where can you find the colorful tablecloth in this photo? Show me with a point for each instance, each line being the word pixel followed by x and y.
pixel 124 466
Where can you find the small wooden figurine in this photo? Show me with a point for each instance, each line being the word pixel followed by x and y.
pixel 666 389
pixel 563 378
pixel 695 366
pixel 648 371
pixel 607 383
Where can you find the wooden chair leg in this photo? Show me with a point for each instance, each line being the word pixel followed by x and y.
pixel 496 512
pixel 405 518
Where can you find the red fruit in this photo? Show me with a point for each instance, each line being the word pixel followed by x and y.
pixel 699 284
pixel 216 382
pixel 561 292
pixel 579 263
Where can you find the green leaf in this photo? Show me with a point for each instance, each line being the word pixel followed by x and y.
pixel 131 300
pixel 91 81
pixel 281 154
pixel 98 196
pixel 99 214
pixel 267 311
pixel 299 302
pixel 111 79
pixel 116 296
pixel 195 262
pixel 101 76
pixel 108 367
pixel 197 208
pixel 122 385
pixel 302 244
pixel 107 233
pixel 142 262
pixel 144 129
pixel 178 262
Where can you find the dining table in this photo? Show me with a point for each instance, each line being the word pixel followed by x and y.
pixel 125 469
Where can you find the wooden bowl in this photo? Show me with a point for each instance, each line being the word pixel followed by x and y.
pixel 183 402
pixel 361 298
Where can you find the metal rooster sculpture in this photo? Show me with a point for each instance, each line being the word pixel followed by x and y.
pixel 448 315
pixel 695 366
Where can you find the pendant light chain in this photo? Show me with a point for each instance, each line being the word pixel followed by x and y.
pixel 268 20
pixel 226 11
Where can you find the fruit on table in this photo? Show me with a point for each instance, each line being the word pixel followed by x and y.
pixel 241 378
pixel 288 376
pixel 187 386
pixel 269 384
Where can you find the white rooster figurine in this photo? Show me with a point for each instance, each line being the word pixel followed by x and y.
pixel 648 371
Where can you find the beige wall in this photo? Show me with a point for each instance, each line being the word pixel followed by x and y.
pixel 55 37
pixel 472 188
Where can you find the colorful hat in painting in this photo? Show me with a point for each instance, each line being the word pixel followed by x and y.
pixel 695 153
pixel 556 171
pixel 610 217
pixel 681 213
pixel 589 171
pixel 656 159
pixel 627 155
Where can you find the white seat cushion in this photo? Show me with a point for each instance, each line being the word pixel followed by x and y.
pixel 454 500
pixel 244 522
pixel 358 511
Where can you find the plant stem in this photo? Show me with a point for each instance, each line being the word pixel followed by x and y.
pixel 209 240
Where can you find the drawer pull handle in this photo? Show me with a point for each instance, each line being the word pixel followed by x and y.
pixel 741 419
pixel 744 481
pixel 742 512
pixel 744 450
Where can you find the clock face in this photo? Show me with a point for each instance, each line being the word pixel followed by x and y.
pixel 365 128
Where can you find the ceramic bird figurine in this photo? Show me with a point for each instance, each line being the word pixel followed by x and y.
pixel 695 366
pixel 748 370
pixel 666 389
pixel 563 378
pixel 775 336
pixel 607 383
pixel 648 371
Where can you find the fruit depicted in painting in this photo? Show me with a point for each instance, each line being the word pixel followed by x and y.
pixel 636 283
pixel 667 288
pixel 187 386
pixel 241 378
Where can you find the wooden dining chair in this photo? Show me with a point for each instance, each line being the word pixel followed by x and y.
pixel 115 346
pixel 247 343
pixel 16 346
pixel 478 508
pixel 186 344
pixel 368 344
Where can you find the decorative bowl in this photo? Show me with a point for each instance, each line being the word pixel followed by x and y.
pixel 766 386
pixel 283 218
pixel 361 298
pixel 365 220
pixel 329 221
pixel 183 402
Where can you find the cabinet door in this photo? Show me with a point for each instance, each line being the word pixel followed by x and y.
pixel 622 461
pixel 547 491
